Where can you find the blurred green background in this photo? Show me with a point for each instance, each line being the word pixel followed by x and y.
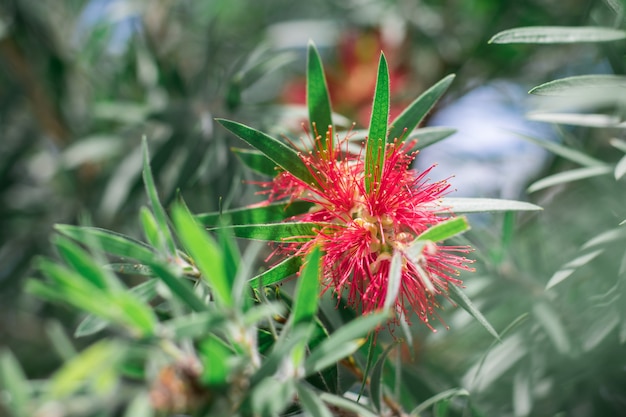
pixel 82 81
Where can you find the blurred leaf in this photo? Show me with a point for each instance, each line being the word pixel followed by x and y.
pixel 445 230
pixel 206 255
pixel 140 406
pixel 343 342
pixel 581 85
pixel 605 238
pixel 111 242
pixel 271 396
pixel 483 205
pixel 394 281
pixel 270 213
pixel 522 395
pixel 180 287
pixel 91 324
pixel 311 403
pixel 411 117
pixel 157 208
pixel 97 361
pixel 194 325
pixel 376 379
pixel 597 333
pixel 565 152
pixel 282 155
pixel 427 136
pixel 346 404
pixel 215 357
pixel 618 144
pixel 576 119
pixel 61 342
pixel 151 228
pixel 459 297
pixel 569 268
pixel 277 273
pixel 569 176
pixel 377 135
pixel 286 232
pixel 551 322
pixel 14 384
pixel 93 149
pixel 307 291
pixel 558 34
pixel 444 395
pixel 620 168
pixel 131 269
pixel 317 98
pixel 257 161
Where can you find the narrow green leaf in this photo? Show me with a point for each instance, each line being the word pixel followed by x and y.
pixel 343 342
pixel 551 322
pixel 618 144
pixel 284 156
pixel 92 324
pixel 580 85
pixel 151 228
pixel 256 161
pixel 569 268
pixel 558 34
pixel 307 291
pixel 180 287
pixel 216 357
pixel 569 176
pixel 427 136
pixel 317 98
pixel 346 404
pixel 137 314
pixel 278 232
pixel 395 281
pixel 564 151
pixel 14 383
pixel 445 230
pixel 270 213
pixel 576 119
pixel 377 135
pixel 444 395
pixel 83 263
pixel 311 403
pixel 206 255
pixel 277 273
pixel 620 168
pixel 140 406
pixel 459 297
pixel 193 325
pixel 159 212
pixel 484 205
pixel 110 242
pixel 376 380
pixel 411 117
pixel 130 269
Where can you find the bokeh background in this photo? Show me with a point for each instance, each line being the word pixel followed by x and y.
pixel 82 81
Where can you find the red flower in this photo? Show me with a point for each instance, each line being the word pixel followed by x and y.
pixel 364 229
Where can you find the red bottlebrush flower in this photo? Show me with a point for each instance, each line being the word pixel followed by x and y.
pixel 364 229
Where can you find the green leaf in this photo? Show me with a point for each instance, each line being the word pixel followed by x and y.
pixel 483 205
pixel 216 357
pixel 395 280
pixel 270 213
pixel 564 151
pixel 91 324
pixel 427 136
pixel 277 273
pixel 569 268
pixel 550 321
pixel 307 291
pixel 256 161
pixel 282 155
pixel 287 232
pixel 130 269
pixel 311 403
pixel 459 297
pixel 620 168
pixel 576 119
pixel 377 135
pixel 193 326
pixel 206 255
pixel 157 208
pixel 180 287
pixel 317 98
pixel 346 404
pixel 140 406
pixel 151 228
pixel 444 395
pixel 558 34
pixel 14 383
pixel 445 230
pixel 110 242
pixel 411 117
pixel 343 342
pixel 580 85
pixel 376 380
pixel 569 176
pixel 83 263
